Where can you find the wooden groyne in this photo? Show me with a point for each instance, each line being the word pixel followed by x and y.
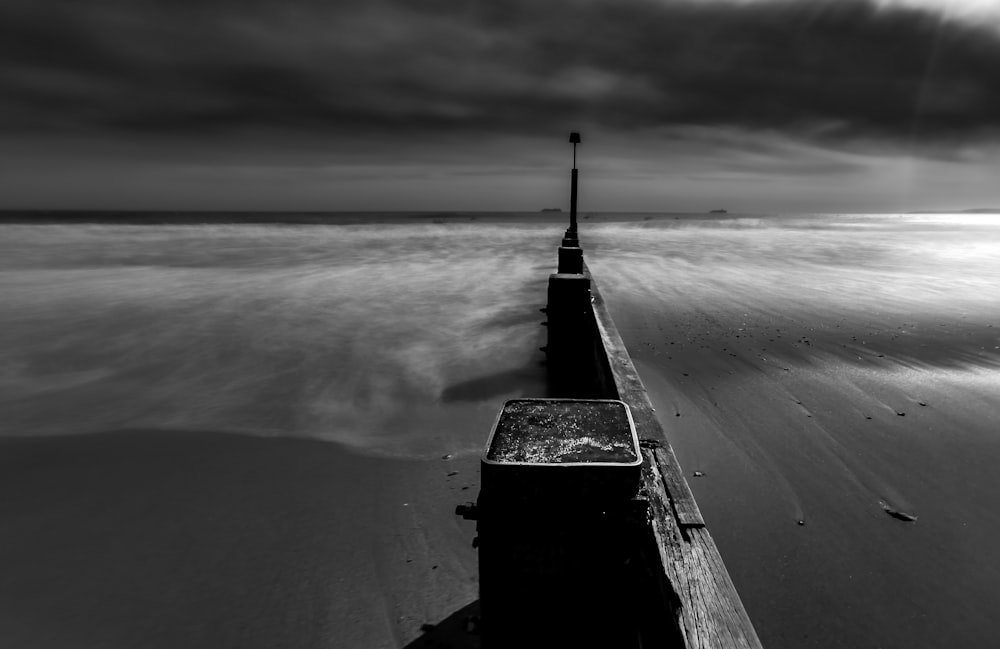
pixel 589 535
pixel 697 591
pixel 569 567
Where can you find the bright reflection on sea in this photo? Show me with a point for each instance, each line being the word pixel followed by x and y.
pixel 834 381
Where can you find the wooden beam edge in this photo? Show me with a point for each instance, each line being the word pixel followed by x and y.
pixel 711 613
pixel 632 391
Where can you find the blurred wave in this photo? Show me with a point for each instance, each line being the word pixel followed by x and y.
pixel 825 264
pixel 347 333
pixel 401 339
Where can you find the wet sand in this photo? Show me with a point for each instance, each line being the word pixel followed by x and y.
pixel 817 390
pixel 204 539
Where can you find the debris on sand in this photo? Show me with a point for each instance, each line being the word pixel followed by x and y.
pixel 897 514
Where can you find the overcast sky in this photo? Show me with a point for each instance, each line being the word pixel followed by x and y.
pixel 751 105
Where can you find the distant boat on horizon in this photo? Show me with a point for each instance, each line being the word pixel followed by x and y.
pixel 552 209
pixel 718 212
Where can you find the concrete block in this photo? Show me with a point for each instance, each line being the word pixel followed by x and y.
pixel 570 260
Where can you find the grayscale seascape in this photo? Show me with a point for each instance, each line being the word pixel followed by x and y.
pixel 254 435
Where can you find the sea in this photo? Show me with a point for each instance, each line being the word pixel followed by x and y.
pixel 182 395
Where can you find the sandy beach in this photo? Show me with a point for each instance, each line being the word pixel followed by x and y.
pixel 251 435
pixel 196 538
pixel 824 383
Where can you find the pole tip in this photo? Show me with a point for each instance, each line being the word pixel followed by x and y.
pixel 574 138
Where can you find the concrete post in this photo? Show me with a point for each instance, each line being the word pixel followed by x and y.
pixel 554 532
pixel 570 260
pixel 568 298
pixel 571 342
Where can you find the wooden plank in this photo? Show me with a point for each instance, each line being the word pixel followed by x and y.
pixel 685 507
pixel 710 614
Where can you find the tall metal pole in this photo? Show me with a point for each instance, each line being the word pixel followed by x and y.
pixel 574 138
pixel 572 203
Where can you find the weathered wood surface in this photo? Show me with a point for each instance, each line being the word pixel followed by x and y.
pixel 684 506
pixel 709 612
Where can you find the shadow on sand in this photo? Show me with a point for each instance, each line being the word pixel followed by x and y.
pixel 458 631
pixel 527 380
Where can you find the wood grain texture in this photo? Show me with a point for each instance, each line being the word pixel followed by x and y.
pixel 685 507
pixel 710 612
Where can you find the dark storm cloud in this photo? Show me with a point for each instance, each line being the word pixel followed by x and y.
pixel 820 70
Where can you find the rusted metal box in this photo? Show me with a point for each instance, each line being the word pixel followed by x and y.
pixel 586 449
